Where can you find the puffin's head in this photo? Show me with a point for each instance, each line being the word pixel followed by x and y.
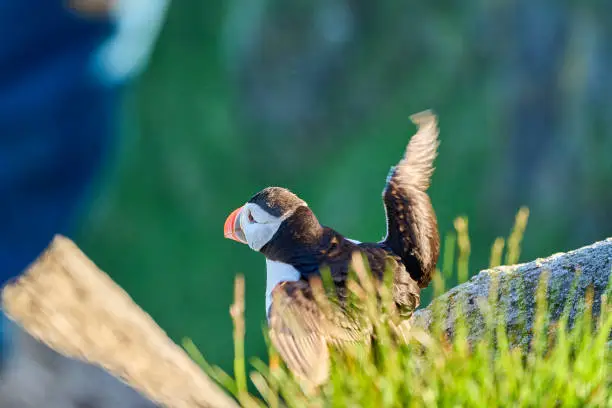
pixel 270 210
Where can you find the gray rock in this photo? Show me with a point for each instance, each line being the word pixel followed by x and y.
pixel 35 376
pixel 517 285
pixel 67 303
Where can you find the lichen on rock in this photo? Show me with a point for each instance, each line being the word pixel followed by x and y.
pixel 568 277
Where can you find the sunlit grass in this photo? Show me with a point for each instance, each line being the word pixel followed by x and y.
pixel 562 366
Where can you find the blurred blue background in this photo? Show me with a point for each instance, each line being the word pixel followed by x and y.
pixel 316 96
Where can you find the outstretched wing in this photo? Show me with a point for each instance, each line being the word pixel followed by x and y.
pixel 412 228
pixel 301 332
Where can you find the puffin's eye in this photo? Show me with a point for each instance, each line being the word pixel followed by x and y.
pixel 251 219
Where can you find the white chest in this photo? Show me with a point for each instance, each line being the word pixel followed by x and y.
pixel 277 272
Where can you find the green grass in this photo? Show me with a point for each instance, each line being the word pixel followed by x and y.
pixel 559 367
pixel 189 157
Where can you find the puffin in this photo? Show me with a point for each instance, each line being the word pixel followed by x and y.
pixel 297 248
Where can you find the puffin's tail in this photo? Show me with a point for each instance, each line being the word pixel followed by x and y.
pixel 412 228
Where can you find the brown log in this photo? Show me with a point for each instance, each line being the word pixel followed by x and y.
pixel 69 304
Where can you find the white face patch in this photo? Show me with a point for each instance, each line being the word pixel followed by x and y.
pixel 258 226
pixel 277 272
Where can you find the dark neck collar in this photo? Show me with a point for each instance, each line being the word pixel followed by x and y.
pixel 297 241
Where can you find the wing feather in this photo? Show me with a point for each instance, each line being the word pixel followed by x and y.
pixel 412 229
pixel 301 332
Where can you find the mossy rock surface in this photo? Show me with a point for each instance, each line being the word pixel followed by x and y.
pixel 517 288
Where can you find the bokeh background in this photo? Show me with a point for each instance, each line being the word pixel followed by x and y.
pixel 316 96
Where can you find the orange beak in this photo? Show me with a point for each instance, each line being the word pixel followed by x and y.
pixel 232 229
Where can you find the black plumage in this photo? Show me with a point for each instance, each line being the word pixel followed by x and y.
pixel 298 328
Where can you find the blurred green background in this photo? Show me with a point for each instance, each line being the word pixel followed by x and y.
pixel 316 96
